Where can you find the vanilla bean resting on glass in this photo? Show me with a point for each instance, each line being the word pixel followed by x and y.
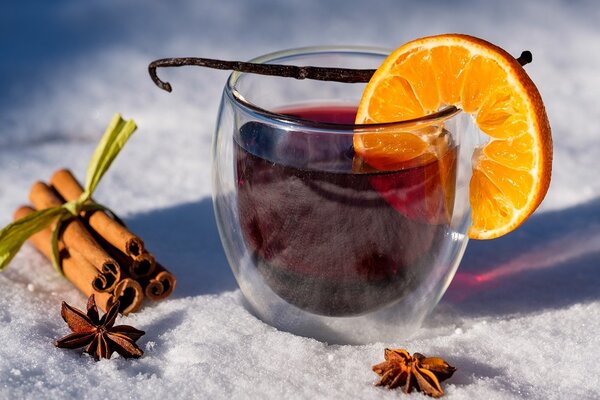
pixel 345 75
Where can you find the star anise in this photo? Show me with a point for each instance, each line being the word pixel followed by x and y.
pixel 416 371
pixel 100 335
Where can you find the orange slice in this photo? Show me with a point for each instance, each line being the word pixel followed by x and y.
pixel 511 172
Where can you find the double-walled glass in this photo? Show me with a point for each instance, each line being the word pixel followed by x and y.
pixel 322 243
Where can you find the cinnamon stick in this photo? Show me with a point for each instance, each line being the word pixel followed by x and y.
pixel 76 268
pixel 161 285
pixel 116 234
pixel 137 268
pixel 130 295
pixel 76 237
pixel 143 265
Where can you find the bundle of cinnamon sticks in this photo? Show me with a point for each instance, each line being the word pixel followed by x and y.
pixel 98 254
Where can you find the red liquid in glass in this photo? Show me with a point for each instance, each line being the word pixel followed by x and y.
pixel 326 239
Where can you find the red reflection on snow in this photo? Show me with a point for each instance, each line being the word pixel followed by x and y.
pixel 551 254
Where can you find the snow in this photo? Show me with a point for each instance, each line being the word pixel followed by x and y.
pixel 520 320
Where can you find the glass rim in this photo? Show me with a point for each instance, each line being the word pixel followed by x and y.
pixel 443 114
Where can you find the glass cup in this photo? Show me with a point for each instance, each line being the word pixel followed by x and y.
pixel 321 243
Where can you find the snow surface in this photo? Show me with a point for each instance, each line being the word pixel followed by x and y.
pixel 521 319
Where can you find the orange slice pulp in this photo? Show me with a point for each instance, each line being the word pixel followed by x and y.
pixel 511 172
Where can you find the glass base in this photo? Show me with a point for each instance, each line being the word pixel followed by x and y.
pixel 392 323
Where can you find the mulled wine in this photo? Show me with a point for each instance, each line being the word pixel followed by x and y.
pixel 326 237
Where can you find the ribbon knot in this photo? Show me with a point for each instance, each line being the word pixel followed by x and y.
pixel 74 207
pixel 15 234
